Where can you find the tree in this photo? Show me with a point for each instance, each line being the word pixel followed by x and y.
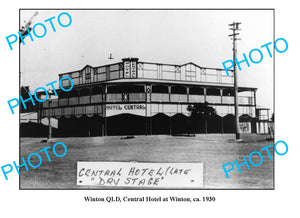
pixel 202 111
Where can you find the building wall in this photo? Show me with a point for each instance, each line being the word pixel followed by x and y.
pixel 131 68
pixel 101 100
pixel 168 103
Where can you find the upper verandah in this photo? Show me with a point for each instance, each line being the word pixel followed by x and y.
pixel 132 68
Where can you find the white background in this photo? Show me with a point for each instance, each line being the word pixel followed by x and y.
pixel 231 203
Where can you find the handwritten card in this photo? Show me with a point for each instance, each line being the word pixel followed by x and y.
pixel 134 174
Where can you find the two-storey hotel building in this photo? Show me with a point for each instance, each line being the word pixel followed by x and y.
pixel 133 97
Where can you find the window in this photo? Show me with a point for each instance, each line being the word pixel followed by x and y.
pixel 178 90
pixel 196 91
pixel 160 89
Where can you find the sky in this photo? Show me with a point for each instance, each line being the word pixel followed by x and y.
pixel 163 36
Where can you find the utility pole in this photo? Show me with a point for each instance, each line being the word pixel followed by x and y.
pixel 235 27
pixel 50 92
pixel 23 29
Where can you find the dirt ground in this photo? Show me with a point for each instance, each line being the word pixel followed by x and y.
pixel 213 150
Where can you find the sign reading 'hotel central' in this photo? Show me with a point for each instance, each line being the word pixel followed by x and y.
pixel 114 109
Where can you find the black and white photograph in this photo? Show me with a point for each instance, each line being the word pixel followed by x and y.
pixel 147 99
